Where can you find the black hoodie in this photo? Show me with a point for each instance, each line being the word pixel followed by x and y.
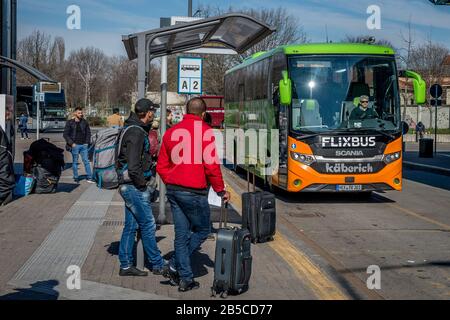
pixel 133 152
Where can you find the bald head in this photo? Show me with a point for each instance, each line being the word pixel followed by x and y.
pixel 196 106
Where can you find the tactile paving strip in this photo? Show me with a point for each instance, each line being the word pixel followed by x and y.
pixel 70 242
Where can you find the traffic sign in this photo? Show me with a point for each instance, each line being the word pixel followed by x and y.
pixel 190 75
pixel 436 91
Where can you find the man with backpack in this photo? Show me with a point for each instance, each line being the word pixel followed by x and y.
pixel 134 165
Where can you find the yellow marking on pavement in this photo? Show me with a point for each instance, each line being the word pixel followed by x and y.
pixel 421 217
pixel 305 269
pixel 316 280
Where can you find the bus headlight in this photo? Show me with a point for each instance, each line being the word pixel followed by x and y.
pixel 389 158
pixel 306 159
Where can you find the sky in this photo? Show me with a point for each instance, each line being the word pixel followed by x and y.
pixel 103 22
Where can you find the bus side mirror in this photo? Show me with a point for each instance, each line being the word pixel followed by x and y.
pixel 405 128
pixel 420 90
pixel 285 89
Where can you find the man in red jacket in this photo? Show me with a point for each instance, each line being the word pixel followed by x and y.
pixel 188 164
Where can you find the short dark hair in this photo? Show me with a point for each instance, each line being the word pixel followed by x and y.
pixel 116 110
pixel 143 106
pixel 168 111
pixel 78 109
pixel 196 106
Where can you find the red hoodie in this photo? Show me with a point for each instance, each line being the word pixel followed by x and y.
pixel 188 156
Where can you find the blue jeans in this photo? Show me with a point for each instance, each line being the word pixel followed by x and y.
pixel 138 214
pixel 24 131
pixel 81 149
pixel 191 216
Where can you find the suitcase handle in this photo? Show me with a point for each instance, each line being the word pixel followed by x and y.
pixel 248 179
pixel 223 215
pixel 247 269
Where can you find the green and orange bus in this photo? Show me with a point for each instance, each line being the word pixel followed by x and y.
pixel 307 93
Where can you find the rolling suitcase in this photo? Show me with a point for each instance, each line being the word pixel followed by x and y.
pixel 233 260
pixel 258 213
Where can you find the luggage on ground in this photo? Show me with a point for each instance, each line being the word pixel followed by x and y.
pixel 233 259
pixel 46 182
pixel 24 185
pixel 258 213
pixel 48 163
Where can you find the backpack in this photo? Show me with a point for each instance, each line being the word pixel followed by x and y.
pixel 106 144
pixel 154 143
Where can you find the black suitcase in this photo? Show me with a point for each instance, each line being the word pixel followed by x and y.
pixel 258 213
pixel 233 260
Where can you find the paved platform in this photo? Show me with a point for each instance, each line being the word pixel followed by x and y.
pixel 439 163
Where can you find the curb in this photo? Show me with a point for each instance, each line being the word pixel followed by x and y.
pixel 427 168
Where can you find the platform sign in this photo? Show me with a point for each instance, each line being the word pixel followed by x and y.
pixel 190 75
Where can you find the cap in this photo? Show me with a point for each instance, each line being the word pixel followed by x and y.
pixel 145 105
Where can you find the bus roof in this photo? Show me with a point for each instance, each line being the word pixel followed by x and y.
pixel 319 48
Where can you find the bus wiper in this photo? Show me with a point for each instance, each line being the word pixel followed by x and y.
pixel 312 135
pixel 367 130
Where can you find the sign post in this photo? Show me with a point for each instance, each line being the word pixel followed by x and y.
pixel 190 78
pixel 436 93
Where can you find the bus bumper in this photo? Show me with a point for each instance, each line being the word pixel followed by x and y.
pixel 307 179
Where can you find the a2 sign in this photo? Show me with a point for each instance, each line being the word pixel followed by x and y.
pixel 190 75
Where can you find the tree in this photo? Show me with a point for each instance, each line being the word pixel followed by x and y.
pixel 289 31
pixel 405 60
pixel 428 60
pixel 88 64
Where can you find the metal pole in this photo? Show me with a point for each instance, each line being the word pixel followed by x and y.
pixel 189 8
pixel 142 57
pixel 435 122
pixel 162 187
pixel 38 116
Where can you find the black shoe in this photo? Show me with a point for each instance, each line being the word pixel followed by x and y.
pixel 161 271
pixel 172 275
pixel 188 285
pixel 132 272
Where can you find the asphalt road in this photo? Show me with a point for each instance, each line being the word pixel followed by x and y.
pixel 406 234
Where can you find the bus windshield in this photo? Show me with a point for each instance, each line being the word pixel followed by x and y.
pixel 327 91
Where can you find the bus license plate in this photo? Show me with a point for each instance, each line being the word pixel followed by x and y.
pixel 349 187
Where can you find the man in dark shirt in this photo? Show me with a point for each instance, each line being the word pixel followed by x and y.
pixel 362 111
pixel 78 136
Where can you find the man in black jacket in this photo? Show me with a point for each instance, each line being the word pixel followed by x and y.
pixel 134 167
pixel 78 136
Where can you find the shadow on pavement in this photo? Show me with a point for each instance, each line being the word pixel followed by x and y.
pixel 441 264
pixel 66 187
pixel 199 262
pixel 41 290
pixel 431 179
pixel 339 198
pixel 113 248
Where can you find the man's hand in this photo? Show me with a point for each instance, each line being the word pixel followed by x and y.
pixel 74 145
pixel 226 197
